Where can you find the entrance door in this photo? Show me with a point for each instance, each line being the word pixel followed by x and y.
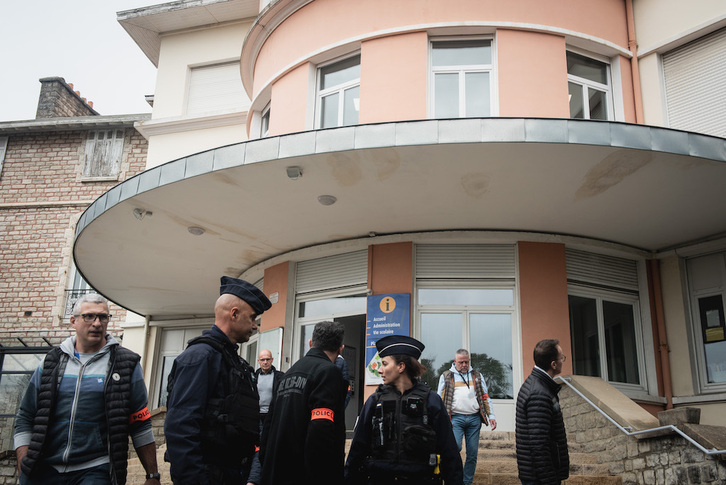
pixel 350 310
pixel 352 353
pixel 480 320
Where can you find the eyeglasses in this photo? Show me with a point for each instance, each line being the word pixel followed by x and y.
pixel 564 357
pixel 91 317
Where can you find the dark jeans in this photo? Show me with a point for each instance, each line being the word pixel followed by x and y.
pixel 44 475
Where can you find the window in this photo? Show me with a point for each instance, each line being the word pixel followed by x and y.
pixel 707 281
pixel 589 88
pixel 265 122
pixel 710 310
pixel 103 153
pixel 17 367
pixel 78 287
pixel 604 336
pixel 605 322
pixel 461 78
pixel 3 149
pixel 695 91
pixel 216 88
pixel 338 99
pixel 477 319
pixel 172 343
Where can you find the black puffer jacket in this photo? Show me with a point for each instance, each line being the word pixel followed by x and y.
pixel 542 455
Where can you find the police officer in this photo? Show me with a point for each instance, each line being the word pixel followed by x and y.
pixel 212 422
pixel 303 440
pixel 403 434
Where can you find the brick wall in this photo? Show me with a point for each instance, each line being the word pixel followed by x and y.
pixel 668 460
pixel 58 99
pixel 42 195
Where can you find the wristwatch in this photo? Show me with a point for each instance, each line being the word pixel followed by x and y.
pixel 152 476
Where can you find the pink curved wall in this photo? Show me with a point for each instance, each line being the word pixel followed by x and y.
pixel 394 91
pixel 530 63
pixel 532 74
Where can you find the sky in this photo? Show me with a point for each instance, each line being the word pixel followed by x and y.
pixel 78 40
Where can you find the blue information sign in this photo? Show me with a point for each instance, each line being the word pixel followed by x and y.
pixel 386 315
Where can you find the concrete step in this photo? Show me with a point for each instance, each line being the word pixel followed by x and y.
pixel 497 463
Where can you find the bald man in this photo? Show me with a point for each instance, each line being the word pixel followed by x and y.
pixel 213 422
pixel 268 379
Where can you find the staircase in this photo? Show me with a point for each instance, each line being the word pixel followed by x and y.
pixel 497 463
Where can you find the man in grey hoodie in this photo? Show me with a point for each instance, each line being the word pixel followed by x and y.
pixel 83 402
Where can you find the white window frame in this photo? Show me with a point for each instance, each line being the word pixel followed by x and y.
pixel 3 150
pixel 703 386
pixel 339 89
pixel 574 289
pixel 77 286
pixel 462 70
pixel 265 121
pixel 109 149
pixel 587 83
pixel 467 310
pixel 300 322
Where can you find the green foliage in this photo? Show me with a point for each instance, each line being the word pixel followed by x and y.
pixel 496 374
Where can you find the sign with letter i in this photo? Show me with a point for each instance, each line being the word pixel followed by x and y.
pixel 386 315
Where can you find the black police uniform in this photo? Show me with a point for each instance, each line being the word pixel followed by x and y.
pixel 212 422
pixel 303 438
pixel 376 455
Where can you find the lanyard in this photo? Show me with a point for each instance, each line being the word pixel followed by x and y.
pixel 466 381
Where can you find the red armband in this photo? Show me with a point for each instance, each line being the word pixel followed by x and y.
pixel 322 413
pixel 141 415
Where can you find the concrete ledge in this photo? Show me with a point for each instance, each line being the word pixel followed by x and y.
pixel 615 404
pixel 710 437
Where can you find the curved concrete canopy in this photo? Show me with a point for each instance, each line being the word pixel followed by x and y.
pixel 646 187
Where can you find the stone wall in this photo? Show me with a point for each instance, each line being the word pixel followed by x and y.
pixel 669 459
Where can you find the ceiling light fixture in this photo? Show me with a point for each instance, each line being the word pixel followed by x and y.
pixel 196 230
pixel 327 199
pixel 294 172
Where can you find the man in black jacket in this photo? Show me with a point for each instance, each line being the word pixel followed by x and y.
pixel 268 378
pixel 303 438
pixel 542 456
pixel 213 418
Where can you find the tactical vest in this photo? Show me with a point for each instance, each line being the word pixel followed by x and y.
pixel 403 439
pixel 231 424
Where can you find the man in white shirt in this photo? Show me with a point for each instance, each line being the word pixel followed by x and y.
pixel 467 401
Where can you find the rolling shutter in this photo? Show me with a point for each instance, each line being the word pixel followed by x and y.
pixel 601 270
pixel 695 82
pixel 440 261
pixel 216 88
pixel 339 271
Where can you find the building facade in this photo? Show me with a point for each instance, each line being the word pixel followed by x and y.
pixel 51 169
pixel 503 172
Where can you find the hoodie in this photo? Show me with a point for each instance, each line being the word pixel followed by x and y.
pixel 77 434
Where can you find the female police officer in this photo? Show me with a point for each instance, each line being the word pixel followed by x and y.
pixel 403 435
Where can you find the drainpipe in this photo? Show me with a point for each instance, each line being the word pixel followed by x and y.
pixel 663 350
pixel 635 71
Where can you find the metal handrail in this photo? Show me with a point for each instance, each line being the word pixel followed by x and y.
pixel 628 430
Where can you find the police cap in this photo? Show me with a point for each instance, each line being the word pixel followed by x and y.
pixel 399 345
pixel 245 291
